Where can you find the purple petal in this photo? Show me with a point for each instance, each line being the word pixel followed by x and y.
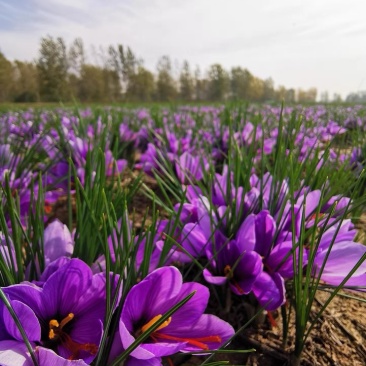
pixel 145 300
pixel 50 358
pixel 245 236
pixel 342 258
pixel 26 317
pixel 28 294
pixel 15 353
pixel 127 339
pixel 52 268
pixel 269 290
pixel 276 260
pixel 215 280
pixel 194 239
pixel 131 361
pixel 207 326
pixel 312 200
pixel 63 289
pixel 190 311
pixel 265 227
pixel 57 241
pixel 161 348
pixel 246 272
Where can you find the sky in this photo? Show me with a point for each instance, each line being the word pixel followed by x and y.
pixel 300 44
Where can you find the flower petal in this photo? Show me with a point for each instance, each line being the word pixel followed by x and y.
pixel 26 317
pixel 14 353
pixel 265 227
pixel 269 290
pixel 131 361
pixel 215 280
pixel 63 289
pixel 245 236
pixel 207 326
pixel 50 358
pixel 57 241
pixel 146 299
pixel 342 258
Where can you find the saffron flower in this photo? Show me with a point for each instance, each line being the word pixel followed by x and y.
pixel 234 264
pixel 340 254
pixel 63 320
pixel 189 167
pixel 187 330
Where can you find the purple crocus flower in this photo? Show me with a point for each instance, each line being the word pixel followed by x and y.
pixel 343 256
pixel 63 320
pixel 57 242
pixel 277 257
pixel 189 167
pixel 188 329
pixel 234 263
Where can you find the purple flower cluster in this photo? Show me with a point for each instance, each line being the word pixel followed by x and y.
pixel 252 238
pixel 258 257
pixel 63 318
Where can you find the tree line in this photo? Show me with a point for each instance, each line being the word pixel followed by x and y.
pixel 62 73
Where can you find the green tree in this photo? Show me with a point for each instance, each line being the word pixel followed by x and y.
pixel 91 84
pixel 290 96
pixel 25 82
pixel 186 83
pixel 240 81
pixel 6 79
pixel 256 89
pixel 124 63
pixel 268 90
pixel 141 86
pixel 218 83
pixel 165 86
pixel 76 56
pixel 306 96
pixel 53 69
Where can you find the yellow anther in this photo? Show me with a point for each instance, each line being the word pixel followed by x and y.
pixel 56 327
pixel 51 334
pixel 156 318
pixel 54 323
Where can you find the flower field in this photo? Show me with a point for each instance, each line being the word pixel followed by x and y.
pixel 217 235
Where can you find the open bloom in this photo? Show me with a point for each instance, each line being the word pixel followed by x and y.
pixel 338 254
pixel 63 320
pixel 234 264
pixel 188 329
pixel 190 168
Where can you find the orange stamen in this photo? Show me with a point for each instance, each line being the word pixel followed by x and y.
pixel 149 324
pixel 197 342
pixel 56 333
pixel 66 320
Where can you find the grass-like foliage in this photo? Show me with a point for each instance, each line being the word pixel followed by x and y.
pixel 131 237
